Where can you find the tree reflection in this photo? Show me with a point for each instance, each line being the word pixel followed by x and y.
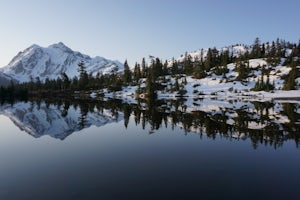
pixel 263 123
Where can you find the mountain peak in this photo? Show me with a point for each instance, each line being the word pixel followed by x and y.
pixel 31 48
pixel 60 45
pixel 34 46
pixel 50 62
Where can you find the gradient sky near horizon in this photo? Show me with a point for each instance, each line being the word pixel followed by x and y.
pixel 133 29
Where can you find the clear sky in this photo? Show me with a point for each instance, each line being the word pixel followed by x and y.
pixel 132 29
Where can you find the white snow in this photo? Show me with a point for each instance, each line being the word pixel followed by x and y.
pixel 52 61
pixel 236 51
pixel 254 63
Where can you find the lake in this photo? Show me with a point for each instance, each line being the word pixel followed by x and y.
pixel 173 149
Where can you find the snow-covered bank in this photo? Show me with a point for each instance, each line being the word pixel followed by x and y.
pixel 226 86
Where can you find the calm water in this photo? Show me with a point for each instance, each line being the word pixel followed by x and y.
pixel 193 149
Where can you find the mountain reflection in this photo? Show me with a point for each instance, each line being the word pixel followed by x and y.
pixel 269 123
pixel 57 119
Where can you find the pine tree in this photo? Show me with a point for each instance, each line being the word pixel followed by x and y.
pixel 66 81
pixel 278 49
pixel 157 68
pixel 243 70
pixel 261 84
pixel 208 62
pixel 198 70
pixel 273 50
pixel 256 50
pixel 290 83
pixel 81 69
pixel 187 64
pixel 83 76
pixel 143 72
pixel 75 83
pixel 174 67
pixel 263 50
pixel 150 86
pixel 224 58
pixel 137 73
pixel 165 68
pixel 126 74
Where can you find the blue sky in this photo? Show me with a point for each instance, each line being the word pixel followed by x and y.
pixel 132 29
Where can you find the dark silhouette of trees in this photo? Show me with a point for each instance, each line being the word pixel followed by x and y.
pixel 83 76
pixel 127 75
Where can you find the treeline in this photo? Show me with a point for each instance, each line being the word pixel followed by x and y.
pixel 214 61
pixel 13 91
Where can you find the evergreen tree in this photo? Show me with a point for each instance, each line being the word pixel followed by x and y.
pixel 256 50
pixel 224 58
pixel 157 68
pixel 187 64
pixel 83 76
pixel 208 62
pixel 165 68
pixel 215 57
pixel 290 83
pixel 75 83
pixel 126 74
pixel 137 73
pixel 261 84
pixel 81 69
pixel 243 70
pixel 263 50
pixel 66 81
pixel 150 87
pixel 114 82
pixel 143 72
pixel 198 70
pixel 174 67
pixel 273 50
pixel 278 49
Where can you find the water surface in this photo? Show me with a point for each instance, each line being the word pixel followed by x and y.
pixel 209 149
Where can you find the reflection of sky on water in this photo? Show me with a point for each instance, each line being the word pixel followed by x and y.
pixel 98 161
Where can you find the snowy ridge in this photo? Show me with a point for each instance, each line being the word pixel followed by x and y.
pixel 235 51
pixel 40 120
pixel 54 60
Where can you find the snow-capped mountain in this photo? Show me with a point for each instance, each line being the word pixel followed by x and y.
pixel 52 61
pixel 57 122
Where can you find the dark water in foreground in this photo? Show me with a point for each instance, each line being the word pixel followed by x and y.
pixel 208 150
